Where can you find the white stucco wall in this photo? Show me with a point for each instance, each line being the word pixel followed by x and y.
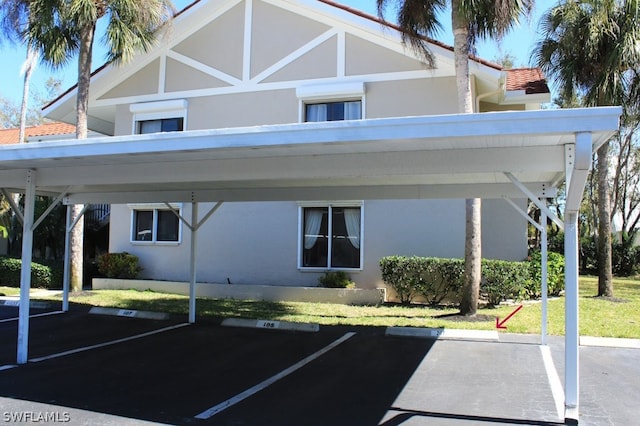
pixel 257 243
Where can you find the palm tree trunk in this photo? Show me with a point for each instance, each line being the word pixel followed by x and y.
pixel 473 238
pixel 82 106
pixel 605 275
pixel 29 64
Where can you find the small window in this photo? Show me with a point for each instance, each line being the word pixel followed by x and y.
pixel 155 225
pixel 333 111
pixel 161 125
pixel 331 237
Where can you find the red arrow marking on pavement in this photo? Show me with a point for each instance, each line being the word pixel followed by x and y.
pixel 499 324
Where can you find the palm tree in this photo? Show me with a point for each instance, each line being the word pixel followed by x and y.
pixel 471 20
pixel 62 28
pixel 590 49
pixel 14 19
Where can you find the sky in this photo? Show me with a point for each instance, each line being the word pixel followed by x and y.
pixel 517 43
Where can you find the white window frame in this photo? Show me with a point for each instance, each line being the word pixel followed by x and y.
pixel 331 92
pixel 155 207
pixel 329 205
pixel 160 110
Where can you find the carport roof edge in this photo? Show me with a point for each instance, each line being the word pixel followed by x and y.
pixel 61 164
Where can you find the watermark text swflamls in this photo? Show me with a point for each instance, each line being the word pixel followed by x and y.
pixel 36 417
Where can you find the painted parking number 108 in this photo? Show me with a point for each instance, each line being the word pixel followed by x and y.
pixel 268 324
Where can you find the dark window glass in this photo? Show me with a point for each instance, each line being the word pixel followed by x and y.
pixel 167 226
pixel 143 225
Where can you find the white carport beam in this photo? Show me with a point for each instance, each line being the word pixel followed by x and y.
pixel 25 270
pixel 578 165
pixel 14 206
pixel 542 206
pixel 524 214
pixel 50 208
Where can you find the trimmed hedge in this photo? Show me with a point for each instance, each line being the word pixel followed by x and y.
pixel 119 265
pixel 42 276
pixel 438 280
pixel 433 278
pixel 503 280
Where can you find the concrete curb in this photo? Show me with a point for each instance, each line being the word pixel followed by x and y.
pixel 610 342
pixel 442 333
pixel 15 301
pixel 130 313
pixel 271 325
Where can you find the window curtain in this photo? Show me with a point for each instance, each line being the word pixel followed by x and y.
pixel 352 222
pixel 312 222
pixel 352 110
pixel 317 112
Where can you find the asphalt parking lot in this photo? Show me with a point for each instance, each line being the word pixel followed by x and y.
pixel 114 370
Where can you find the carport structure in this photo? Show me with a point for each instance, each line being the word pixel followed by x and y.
pixel 488 155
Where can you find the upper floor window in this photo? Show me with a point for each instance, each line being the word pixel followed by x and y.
pixel 161 125
pixel 334 111
pixel 335 101
pixel 162 116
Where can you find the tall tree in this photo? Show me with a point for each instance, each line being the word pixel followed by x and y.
pixel 61 29
pixel 470 20
pixel 590 48
pixel 14 21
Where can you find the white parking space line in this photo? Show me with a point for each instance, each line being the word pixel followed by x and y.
pixel 554 380
pixel 8 367
pixel 257 388
pixel 112 342
pixel 33 316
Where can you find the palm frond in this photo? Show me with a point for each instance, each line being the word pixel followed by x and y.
pixel 418 21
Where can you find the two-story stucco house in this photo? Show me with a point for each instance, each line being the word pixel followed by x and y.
pixel 241 63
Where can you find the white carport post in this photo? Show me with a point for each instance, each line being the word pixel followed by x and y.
pixel 192 263
pixel 577 164
pixel 542 227
pixel 193 227
pixel 25 271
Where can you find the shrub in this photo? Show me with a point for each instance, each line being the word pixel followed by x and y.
pixel 119 265
pixel 336 279
pixel 503 280
pixel 441 279
pixel 555 274
pixel 624 256
pixel 397 275
pixel 433 278
pixel 41 275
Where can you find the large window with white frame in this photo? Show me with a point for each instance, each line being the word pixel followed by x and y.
pixel 154 223
pixel 331 236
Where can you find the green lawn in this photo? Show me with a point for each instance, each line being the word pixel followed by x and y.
pixel 598 317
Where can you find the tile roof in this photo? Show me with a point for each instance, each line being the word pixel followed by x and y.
pixel 531 80
pixel 10 136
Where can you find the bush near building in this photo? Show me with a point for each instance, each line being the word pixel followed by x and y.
pixel 438 280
